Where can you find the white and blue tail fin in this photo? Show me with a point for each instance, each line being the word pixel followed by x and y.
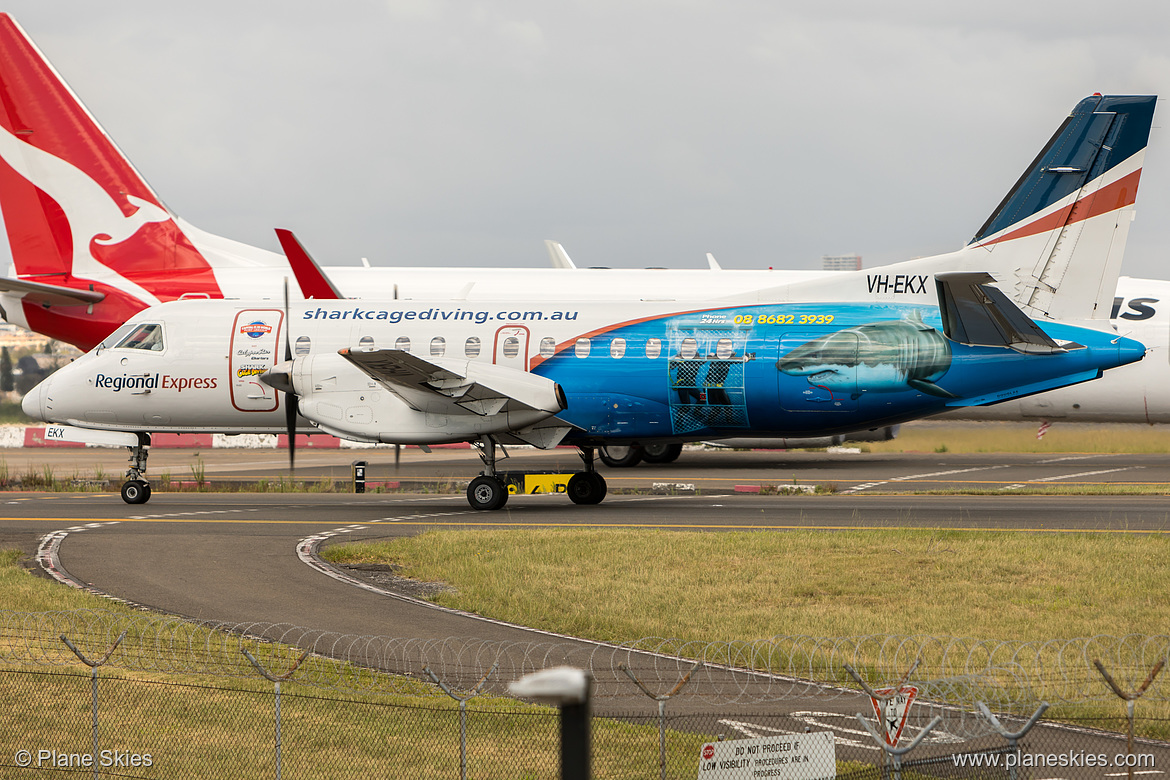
pixel 1055 242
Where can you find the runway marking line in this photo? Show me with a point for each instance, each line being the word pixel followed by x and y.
pixel 675 526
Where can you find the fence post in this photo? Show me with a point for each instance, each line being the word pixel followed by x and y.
pixel 93 667
pixel 462 712
pixel 1129 698
pixel 661 709
pixel 571 690
pixel 1013 737
pixel 276 680
pixel 896 753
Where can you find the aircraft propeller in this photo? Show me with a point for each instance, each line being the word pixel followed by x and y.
pixel 279 377
pixel 292 404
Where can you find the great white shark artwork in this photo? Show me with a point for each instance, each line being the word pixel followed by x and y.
pixel 879 357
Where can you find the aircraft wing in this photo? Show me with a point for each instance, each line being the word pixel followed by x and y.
pixel 458 386
pixel 49 294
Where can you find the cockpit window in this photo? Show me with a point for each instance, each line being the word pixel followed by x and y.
pixel 148 336
pixel 116 336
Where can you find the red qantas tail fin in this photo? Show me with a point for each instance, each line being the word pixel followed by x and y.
pixel 313 281
pixel 73 205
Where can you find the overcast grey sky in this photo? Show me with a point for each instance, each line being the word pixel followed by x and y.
pixel 639 132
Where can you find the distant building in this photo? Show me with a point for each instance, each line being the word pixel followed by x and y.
pixel 841 262
pixel 16 337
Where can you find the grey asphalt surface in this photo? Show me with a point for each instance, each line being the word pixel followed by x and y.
pixel 708 470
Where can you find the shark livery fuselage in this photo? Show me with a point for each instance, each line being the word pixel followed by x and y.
pixel 432 372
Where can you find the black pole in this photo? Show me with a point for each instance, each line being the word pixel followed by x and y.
pixel 575 741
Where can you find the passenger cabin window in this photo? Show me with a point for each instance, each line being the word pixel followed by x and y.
pixel 653 348
pixel 723 349
pixel 689 348
pixel 471 347
pixel 617 349
pixel 438 346
pixel 303 345
pixel 149 336
pixel 402 343
pixel 511 347
pixel 366 343
pixel 582 348
pixel 548 347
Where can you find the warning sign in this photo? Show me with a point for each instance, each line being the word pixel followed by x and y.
pixel 892 712
pixel 790 757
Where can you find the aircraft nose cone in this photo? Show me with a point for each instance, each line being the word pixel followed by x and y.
pixel 34 401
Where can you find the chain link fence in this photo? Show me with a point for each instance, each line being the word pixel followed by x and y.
pixel 149 696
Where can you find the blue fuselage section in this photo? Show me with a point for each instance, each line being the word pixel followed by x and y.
pixel 795 369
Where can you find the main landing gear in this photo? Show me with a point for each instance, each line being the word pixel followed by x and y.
pixel 620 457
pixel 490 490
pixel 136 490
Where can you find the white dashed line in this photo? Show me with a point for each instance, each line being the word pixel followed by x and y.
pixel 910 477
pixel 1084 474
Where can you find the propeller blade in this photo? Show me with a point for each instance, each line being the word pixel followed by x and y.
pixel 291 401
pixel 290 413
pixel 287 333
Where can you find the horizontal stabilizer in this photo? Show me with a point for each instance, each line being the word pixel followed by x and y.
pixel 458 386
pixel 49 294
pixel 975 313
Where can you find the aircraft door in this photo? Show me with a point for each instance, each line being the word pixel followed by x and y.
pixel 511 348
pixel 255 344
pixel 818 373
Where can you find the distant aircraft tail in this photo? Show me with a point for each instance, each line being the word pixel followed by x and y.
pixel 78 216
pixel 1056 240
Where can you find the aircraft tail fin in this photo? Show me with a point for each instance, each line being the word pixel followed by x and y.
pixel 1056 240
pixel 77 213
pixel 557 255
pixel 312 280
pixel 75 206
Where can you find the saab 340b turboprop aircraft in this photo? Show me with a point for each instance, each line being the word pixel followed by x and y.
pixel 795 362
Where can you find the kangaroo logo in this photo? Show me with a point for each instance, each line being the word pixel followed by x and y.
pixel 93 215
